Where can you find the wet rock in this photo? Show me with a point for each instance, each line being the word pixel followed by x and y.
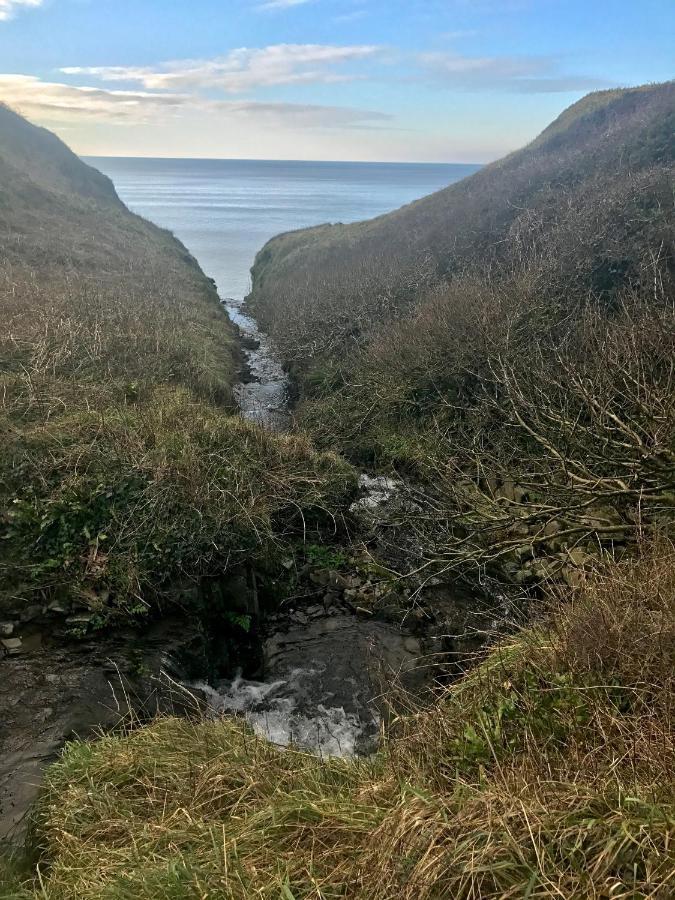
pixel 6 629
pixel 315 612
pixel 11 646
pixel 31 613
pixel 58 608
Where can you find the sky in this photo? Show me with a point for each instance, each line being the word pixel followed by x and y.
pixel 372 80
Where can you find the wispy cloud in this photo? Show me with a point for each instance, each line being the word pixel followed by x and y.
pixel 240 70
pixel 518 74
pixel 281 4
pixel 58 102
pixel 33 97
pixel 9 7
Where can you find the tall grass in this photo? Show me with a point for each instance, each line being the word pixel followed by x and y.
pixel 547 772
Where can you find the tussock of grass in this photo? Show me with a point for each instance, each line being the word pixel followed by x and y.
pixel 123 469
pixel 547 772
pixel 112 506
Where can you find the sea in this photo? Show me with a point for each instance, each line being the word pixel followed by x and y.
pixel 225 210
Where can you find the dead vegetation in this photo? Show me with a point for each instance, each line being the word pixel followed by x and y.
pixel 547 772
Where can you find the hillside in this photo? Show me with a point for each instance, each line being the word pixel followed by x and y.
pixel 123 469
pixel 505 348
pixel 582 203
pixel 506 344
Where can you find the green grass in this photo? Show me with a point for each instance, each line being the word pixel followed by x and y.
pixel 544 773
pixel 125 471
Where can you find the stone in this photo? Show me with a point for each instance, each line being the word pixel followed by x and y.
pixel 299 618
pixel 6 629
pixel 578 557
pixel 57 608
pixel 551 528
pixel 31 612
pixel 320 578
pixel 314 612
pixel 11 646
pixel 80 620
pixel 338 581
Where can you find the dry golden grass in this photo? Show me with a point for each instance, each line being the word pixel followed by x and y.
pixel 547 772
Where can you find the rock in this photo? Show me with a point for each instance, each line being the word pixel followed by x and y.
pixel 299 618
pixel 315 612
pixel 321 578
pixel 32 612
pixel 551 528
pixel 578 557
pixel 57 608
pixel 6 629
pixel 338 581
pixel 11 646
pixel 574 578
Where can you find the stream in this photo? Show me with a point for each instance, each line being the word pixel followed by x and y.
pixel 324 667
pixel 263 396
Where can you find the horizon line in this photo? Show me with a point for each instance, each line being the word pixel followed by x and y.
pixel 360 162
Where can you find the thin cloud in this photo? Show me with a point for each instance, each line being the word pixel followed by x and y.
pixel 241 70
pixel 33 97
pixel 56 102
pixel 9 7
pixel 281 4
pixel 518 74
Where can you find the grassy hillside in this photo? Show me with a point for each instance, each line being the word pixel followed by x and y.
pixel 507 343
pixel 122 469
pixel 583 204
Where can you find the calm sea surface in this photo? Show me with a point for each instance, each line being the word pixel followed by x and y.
pixel 225 210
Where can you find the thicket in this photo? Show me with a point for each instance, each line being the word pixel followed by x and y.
pixel 506 344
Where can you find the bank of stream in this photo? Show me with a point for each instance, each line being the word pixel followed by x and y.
pixel 310 672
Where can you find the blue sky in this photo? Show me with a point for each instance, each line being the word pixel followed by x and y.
pixel 417 80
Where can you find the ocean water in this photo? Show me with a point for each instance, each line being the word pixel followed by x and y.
pixel 225 210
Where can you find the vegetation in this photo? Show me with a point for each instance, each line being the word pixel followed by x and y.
pixel 506 343
pixel 123 468
pixel 544 773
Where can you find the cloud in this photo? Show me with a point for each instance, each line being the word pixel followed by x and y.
pixel 57 102
pixel 518 74
pixel 34 97
pixel 240 70
pixel 281 4
pixel 9 7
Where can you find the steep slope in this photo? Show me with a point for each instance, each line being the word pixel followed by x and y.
pixel 507 343
pixel 584 202
pixel 122 469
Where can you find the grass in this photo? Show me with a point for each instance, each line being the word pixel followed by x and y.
pixel 125 471
pixel 546 772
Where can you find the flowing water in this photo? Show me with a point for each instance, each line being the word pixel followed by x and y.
pixel 323 669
